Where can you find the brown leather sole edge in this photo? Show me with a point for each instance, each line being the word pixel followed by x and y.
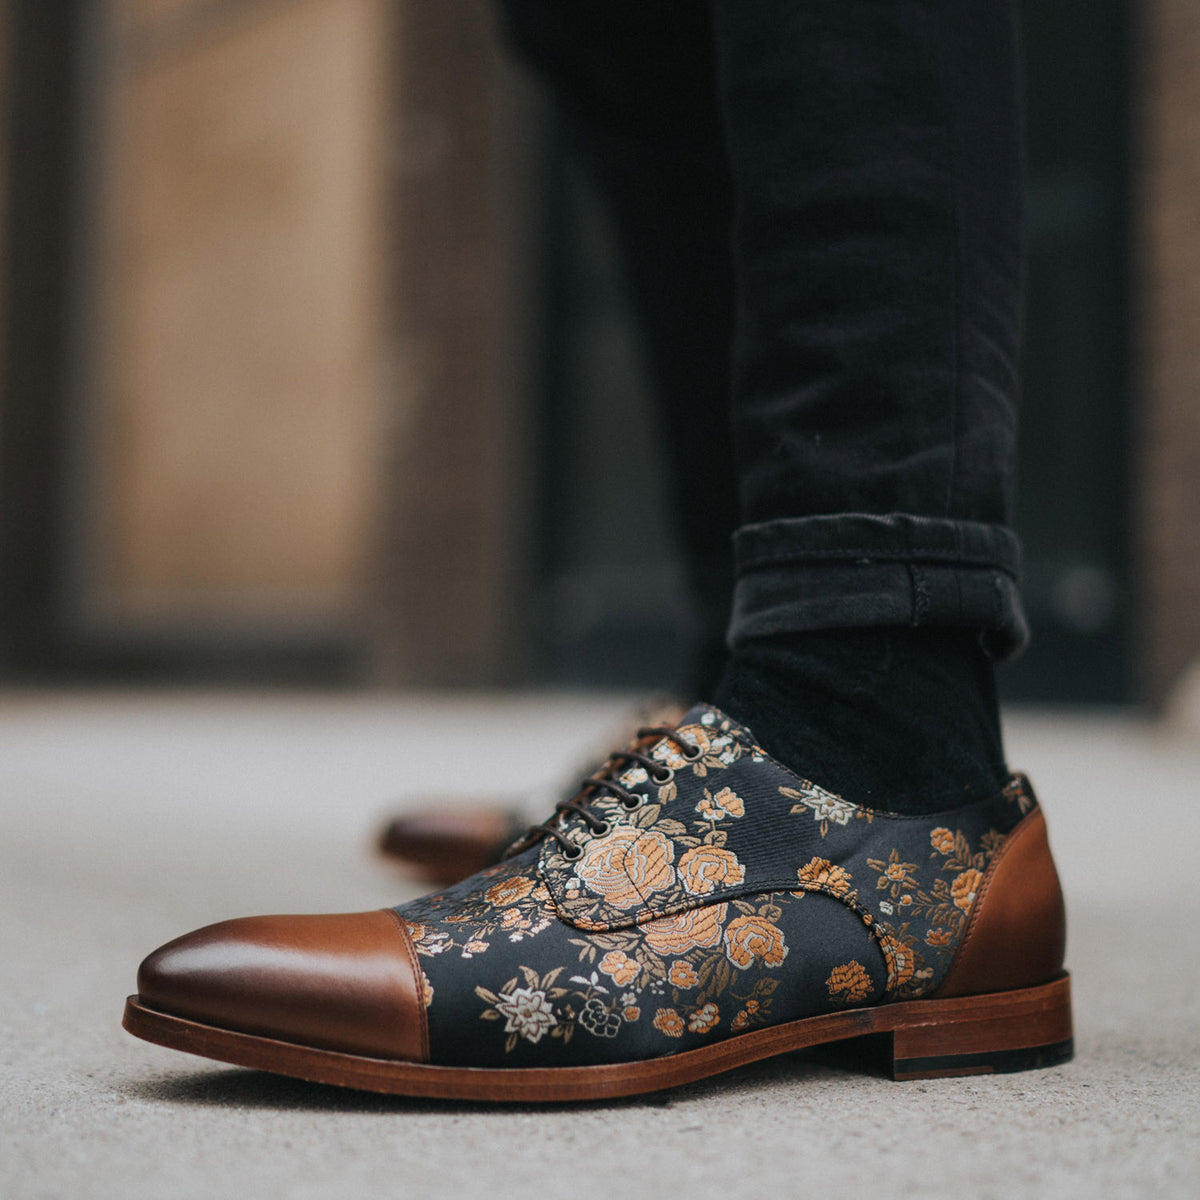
pixel 967 1035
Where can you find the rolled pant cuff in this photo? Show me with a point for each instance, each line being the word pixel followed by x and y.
pixel 858 569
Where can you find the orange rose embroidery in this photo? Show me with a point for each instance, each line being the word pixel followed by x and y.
pixel 620 967
pixel 631 1013
pixel 686 930
pixel 628 865
pixel 748 939
pixel 669 753
pixel 704 1019
pixel 740 1021
pixel 726 803
pixel 509 891
pixel 849 983
pixel 937 937
pixel 965 888
pixel 681 975
pixel 703 869
pixel 668 1021
pixel 942 840
pixel 821 873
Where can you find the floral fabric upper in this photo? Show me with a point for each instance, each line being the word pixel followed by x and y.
pixel 726 894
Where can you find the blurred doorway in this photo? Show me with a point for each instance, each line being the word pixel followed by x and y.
pixel 444 470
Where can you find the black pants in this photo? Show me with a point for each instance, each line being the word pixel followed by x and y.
pixel 820 205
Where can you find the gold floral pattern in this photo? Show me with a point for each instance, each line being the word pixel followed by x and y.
pixel 894 876
pixel 704 1019
pixel 695 929
pixel 628 865
pixel 682 975
pixel 703 869
pixel 965 888
pixel 619 967
pixel 942 840
pixel 680 917
pixel 469 923
pixel 509 891
pixel 820 875
pixel 750 939
pixel 901 962
pixel 849 983
pixel 715 806
pixel 668 1021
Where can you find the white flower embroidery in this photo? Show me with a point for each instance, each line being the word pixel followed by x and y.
pixel 526 1012
pixel 825 806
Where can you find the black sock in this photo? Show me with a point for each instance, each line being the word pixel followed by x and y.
pixel 899 719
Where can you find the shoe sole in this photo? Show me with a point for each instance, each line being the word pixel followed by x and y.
pixel 927 1039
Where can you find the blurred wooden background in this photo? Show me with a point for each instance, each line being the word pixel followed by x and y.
pixel 286 438
pixel 271 342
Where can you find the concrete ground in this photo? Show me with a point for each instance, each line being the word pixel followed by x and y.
pixel 126 819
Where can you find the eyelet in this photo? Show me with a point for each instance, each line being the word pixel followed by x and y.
pixel 603 830
pixel 693 754
pixel 574 854
pixel 632 803
pixel 665 775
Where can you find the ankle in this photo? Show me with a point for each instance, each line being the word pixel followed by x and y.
pixel 900 719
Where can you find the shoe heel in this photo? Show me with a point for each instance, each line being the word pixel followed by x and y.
pixel 983 1035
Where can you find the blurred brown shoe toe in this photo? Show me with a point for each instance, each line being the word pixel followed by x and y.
pixel 443 843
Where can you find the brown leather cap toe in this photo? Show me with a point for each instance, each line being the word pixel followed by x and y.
pixel 346 982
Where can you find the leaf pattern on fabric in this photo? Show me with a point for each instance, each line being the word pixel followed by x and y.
pixel 735 895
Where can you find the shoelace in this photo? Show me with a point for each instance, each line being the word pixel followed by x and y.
pixel 604 781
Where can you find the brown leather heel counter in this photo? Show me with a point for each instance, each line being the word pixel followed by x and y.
pixel 1016 936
